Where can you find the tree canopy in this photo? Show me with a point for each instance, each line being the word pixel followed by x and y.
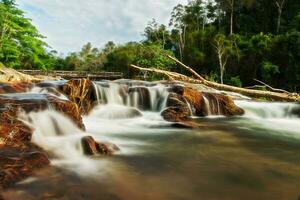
pixel 21 44
pixel 230 41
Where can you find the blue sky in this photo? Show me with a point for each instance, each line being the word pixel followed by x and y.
pixel 68 24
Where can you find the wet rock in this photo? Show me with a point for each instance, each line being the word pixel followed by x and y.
pixel 91 147
pixel 106 148
pixel 81 92
pixel 142 97
pixel 176 114
pixel 18 157
pixel 189 95
pixel 14 87
pixel 185 101
pixel 20 161
pixel 195 99
pixel 12 104
pixel 219 104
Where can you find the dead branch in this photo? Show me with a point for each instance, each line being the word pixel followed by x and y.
pixel 271 88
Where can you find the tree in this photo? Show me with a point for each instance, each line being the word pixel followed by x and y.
pixel 224 49
pixel 123 56
pixel 21 44
pixel 177 21
pixel 279 5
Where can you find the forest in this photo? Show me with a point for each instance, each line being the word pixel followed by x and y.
pixel 236 42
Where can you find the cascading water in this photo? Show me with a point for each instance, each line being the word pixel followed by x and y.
pixel 268 110
pixel 152 98
pixel 157 162
pixel 207 105
pixel 279 117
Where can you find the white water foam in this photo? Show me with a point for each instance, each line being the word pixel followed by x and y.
pixel 274 116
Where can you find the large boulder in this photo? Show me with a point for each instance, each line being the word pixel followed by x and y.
pixel 185 101
pixel 177 108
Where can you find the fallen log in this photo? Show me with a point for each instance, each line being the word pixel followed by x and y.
pixel 273 96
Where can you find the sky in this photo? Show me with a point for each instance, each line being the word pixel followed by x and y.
pixel 69 24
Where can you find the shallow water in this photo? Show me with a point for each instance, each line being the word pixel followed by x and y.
pixel 256 156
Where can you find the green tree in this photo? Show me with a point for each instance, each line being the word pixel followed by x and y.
pixel 21 44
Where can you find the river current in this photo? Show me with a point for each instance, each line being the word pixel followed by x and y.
pixel 254 156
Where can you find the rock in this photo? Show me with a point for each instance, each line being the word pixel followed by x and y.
pixel 11 104
pixel 142 97
pixel 15 87
pixel 11 75
pixel 176 114
pixel 91 147
pixel 81 92
pixel 18 157
pixel 190 95
pixel 185 101
pixel 220 104
pixel 20 161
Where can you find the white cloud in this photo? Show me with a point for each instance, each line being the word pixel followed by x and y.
pixel 68 24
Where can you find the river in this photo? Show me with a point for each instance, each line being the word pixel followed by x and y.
pixel 254 156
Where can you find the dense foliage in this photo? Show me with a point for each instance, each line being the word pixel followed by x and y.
pixel 21 44
pixel 230 41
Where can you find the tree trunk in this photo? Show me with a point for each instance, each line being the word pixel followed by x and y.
pixel 231 16
pixel 279 8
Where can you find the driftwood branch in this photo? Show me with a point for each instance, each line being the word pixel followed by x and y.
pixel 271 88
pixel 274 96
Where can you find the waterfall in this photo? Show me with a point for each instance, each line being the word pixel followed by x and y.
pixel 207 105
pixel 268 110
pixel 55 133
pixel 60 137
pixel 143 97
